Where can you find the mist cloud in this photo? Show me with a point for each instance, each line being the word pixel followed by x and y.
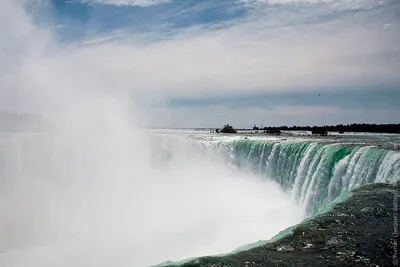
pixel 94 190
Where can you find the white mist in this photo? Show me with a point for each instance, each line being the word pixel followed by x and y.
pixel 88 192
pixel 97 200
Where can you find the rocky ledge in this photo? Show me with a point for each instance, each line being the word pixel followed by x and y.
pixel 361 230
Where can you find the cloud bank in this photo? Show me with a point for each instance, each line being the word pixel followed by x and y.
pixel 285 47
pixel 140 3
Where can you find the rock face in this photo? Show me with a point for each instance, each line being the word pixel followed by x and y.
pixel 360 231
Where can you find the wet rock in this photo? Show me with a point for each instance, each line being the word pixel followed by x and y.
pixel 308 246
pixel 285 248
pixel 334 241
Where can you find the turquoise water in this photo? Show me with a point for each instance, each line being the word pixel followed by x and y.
pixel 315 172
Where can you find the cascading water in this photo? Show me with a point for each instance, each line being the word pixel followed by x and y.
pixel 316 173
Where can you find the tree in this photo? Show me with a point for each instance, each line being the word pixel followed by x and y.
pixel 319 131
pixel 228 129
pixel 273 131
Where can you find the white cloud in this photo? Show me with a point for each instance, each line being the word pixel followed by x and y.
pixel 238 61
pixel 260 55
pixel 334 4
pixel 141 3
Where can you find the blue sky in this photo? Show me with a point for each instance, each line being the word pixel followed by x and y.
pixel 204 63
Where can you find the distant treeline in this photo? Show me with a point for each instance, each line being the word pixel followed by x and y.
pixel 355 127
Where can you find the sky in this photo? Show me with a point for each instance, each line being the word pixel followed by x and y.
pixel 205 63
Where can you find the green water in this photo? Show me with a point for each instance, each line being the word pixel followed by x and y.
pixel 315 173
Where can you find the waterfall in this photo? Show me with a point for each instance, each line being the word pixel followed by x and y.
pixel 316 173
